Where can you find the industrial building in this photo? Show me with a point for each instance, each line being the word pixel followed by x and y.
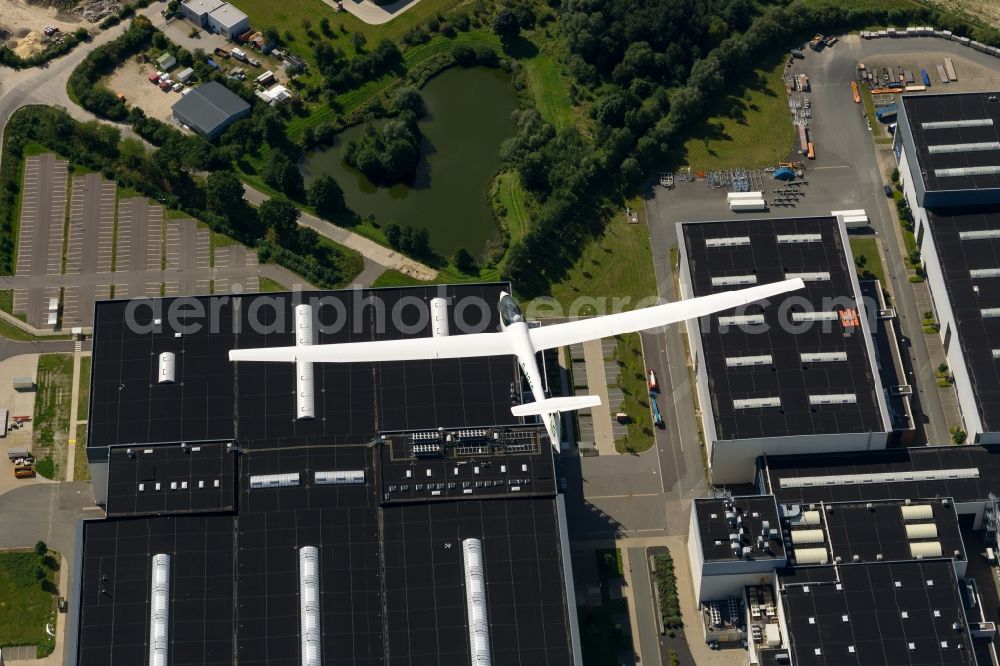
pixel 216 16
pixel 210 108
pixel 798 374
pixel 948 150
pixel 292 514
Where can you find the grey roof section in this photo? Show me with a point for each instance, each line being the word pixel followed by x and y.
pixel 228 16
pixel 203 6
pixel 719 519
pixel 210 107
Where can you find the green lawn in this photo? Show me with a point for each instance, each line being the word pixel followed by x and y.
pixel 751 128
pixel 269 285
pixel 510 194
pixel 83 398
pixel 28 590
pixel 81 468
pixel 51 418
pixel 392 278
pixel 872 268
pixel 632 382
pixel 616 264
pixel 549 90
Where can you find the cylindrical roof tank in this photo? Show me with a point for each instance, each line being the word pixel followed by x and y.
pixel 167 372
pixel 439 317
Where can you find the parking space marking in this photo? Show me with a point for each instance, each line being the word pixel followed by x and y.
pixel 152 289
pixel 121 290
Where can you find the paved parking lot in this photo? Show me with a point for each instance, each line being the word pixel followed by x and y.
pixel 148 256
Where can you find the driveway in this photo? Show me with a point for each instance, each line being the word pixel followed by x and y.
pixel 371 13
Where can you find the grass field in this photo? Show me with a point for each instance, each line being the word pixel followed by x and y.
pixel 50 422
pixel 616 264
pixel 509 193
pixel 81 468
pixel 269 285
pixel 750 129
pixel 83 397
pixel 632 382
pixel 28 600
pixel 868 248
pixel 549 90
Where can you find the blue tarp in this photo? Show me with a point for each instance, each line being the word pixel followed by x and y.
pixel 784 173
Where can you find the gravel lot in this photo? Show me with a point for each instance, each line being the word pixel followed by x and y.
pixel 132 78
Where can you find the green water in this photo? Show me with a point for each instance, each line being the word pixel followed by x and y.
pixel 468 115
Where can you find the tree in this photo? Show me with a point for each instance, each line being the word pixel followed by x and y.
pixel 41 548
pixel 326 196
pixel 465 262
pixel 408 98
pixel 324 27
pixel 358 41
pixel 280 216
pixel 223 192
pixel 504 24
pixel 290 181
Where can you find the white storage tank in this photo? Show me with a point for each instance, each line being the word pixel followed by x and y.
pixel 439 317
pixel 168 368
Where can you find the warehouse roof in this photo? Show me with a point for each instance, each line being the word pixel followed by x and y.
pixel 772 374
pixel 210 107
pixel 228 15
pixel 721 518
pixel 957 139
pixel 875 614
pixel 964 473
pixel 968 245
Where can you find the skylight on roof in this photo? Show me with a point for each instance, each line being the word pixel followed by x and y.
pixel 955 124
pixel 964 147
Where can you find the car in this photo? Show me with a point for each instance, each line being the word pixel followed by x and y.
pixel 154 78
pixel 165 85
pixel 888 190
pixel 177 87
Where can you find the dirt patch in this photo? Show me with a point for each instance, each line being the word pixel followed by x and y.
pixel 30 45
pixel 986 11
pixel 19 18
pixel 132 80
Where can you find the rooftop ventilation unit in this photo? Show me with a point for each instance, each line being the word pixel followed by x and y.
pixel 309 605
pixel 729 241
pixel 955 124
pixel 833 399
pixel 475 600
pixel 799 238
pixel 964 147
pixel 917 512
pixel 805 556
pixel 439 317
pixel 979 234
pixel 806 519
pixel 881 477
pixel 916 531
pixel 733 280
pixel 756 403
pixel 741 320
pixel 167 373
pixel 816 276
pixel 990 313
pixel 159 611
pixel 800 537
pixel 340 477
pixel 745 361
pixel 922 549
pixel 996 353
pixel 305 407
pixel 275 480
pixel 814 316
pixel 822 357
pixel 967 171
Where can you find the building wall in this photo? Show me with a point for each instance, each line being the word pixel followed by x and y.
pixel 972 423
pixel 734 460
pixel 694 554
pixel 717 588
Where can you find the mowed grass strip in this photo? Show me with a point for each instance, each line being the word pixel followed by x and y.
pixel 52 406
pixel 83 397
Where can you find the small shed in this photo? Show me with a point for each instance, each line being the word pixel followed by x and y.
pixel 166 61
pixel 184 75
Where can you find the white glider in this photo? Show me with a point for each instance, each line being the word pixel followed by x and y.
pixel 517 339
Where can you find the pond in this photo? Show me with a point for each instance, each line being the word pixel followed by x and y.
pixel 468 115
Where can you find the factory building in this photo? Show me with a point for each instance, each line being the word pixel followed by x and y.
pixel 299 514
pixel 801 373
pixel 948 151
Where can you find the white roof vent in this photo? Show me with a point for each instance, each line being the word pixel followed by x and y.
pixel 168 368
pixel 475 599
pixel 159 611
pixel 309 605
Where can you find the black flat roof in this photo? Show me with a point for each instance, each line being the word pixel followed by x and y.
pixel 391 575
pixel 171 479
pixel 855 529
pixel 969 297
pixel 786 377
pixel 715 525
pixel 353 401
pixel 942 108
pixel 889 364
pixel 877 614
pixel 116 583
pixel 804 478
